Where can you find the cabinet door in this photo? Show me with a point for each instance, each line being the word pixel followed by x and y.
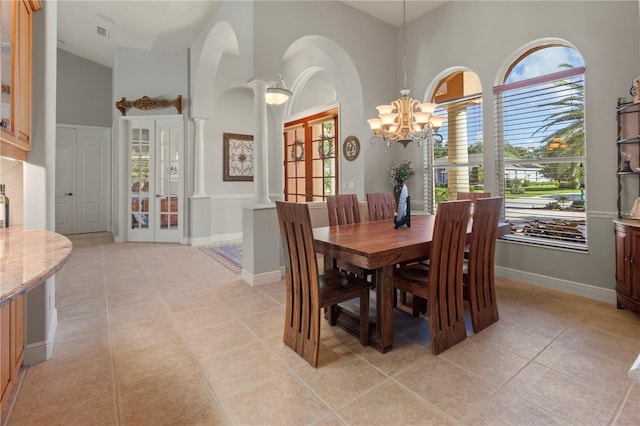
pixel 23 75
pixel 5 349
pixel 622 256
pixel 633 289
pixel 8 75
pixel 17 336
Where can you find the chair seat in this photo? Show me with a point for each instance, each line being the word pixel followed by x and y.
pixel 337 286
pixel 417 273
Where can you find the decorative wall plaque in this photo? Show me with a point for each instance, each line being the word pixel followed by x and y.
pixel 237 157
pixel 146 103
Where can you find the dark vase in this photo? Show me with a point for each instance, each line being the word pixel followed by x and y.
pixel 396 191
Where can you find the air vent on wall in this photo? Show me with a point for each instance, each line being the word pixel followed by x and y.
pixel 102 31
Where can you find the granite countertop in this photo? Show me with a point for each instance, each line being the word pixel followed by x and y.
pixel 628 222
pixel 28 258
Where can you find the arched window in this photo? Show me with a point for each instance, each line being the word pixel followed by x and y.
pixel 455 163
pixel 541 152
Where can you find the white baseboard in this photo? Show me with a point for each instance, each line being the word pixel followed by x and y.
pixel 260 279
pixel 571 287
pixel 35 353
pixel 221 238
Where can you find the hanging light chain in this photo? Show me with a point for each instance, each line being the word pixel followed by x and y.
pixel 404 43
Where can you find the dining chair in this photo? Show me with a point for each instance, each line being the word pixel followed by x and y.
pixel 441 282
pixel 308 291
pixel 473 196
pixel 344 209
pixel 478 273
pixel 381 205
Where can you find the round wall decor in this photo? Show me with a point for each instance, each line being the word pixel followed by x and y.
pixel 351 148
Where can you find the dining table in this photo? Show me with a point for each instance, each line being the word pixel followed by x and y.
pixel 378 246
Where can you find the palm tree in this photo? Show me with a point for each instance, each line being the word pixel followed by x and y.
pixel 570 114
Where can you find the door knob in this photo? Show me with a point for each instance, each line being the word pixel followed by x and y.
pixel 70 193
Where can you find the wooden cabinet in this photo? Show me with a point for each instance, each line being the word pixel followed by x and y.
pixel 627 235
pixel 11 345
pixel 15 134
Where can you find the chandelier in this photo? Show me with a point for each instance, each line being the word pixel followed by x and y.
pixel 406 119
pixel 278 93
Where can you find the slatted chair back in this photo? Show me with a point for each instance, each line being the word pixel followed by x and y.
pixel 343 209
pixel 473 196
pixel 480 276
pixel 381 205
pixel 307 292
pixel 445 299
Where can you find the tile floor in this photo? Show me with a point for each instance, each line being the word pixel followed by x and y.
pixel 153 334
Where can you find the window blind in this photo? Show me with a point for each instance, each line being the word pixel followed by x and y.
pixel 540 129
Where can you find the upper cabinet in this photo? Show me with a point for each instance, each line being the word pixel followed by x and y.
pixel 15 61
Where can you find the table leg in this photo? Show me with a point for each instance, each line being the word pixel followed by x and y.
pixel 330 311
pixel 384 305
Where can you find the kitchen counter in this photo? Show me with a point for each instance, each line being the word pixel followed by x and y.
pixel 27 259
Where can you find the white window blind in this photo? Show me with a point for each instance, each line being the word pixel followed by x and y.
pixel 541 157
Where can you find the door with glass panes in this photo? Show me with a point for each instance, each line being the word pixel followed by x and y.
pixel 311 160
pixel 155 178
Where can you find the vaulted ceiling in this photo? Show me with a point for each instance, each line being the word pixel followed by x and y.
pixel 93 28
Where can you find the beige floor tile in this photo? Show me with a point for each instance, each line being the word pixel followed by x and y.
pixel 246 306
pixel 91 412
pixel 563 396
pixel 329 420
pixel 206 342
pixel 593 340
pixel 282 351
pixel 72 352
pixel 391 404
pixel 133 316
pixel 191 302
pixel 341 376
pixel 504 408
pixel 490 362
pixel 281 400
pixel 152 360
pixel 211 415
pixel 233 289
pixel 404 353
pixel 169 289
pixel 190 320
pixel 536 320
pixel 630 412
pixel 82 308
pixel 143 335
pixel 266 323
pixel 74 328
pixel 233 371
pixel 152 401
pixel 445 385
pixel 516 339
pixel 574 361
pixel 43 394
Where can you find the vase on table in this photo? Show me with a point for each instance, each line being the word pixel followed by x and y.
pixel 396 191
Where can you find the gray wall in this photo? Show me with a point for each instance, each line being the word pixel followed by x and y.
pixel 84 91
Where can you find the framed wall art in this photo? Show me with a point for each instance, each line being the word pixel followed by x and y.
pixel 238 159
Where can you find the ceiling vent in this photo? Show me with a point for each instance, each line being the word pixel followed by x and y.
pixel 102 31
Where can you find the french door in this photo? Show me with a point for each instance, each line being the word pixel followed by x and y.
pixel 155 178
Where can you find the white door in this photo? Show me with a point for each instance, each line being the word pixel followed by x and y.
pixel 155 178
pixel 82 161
